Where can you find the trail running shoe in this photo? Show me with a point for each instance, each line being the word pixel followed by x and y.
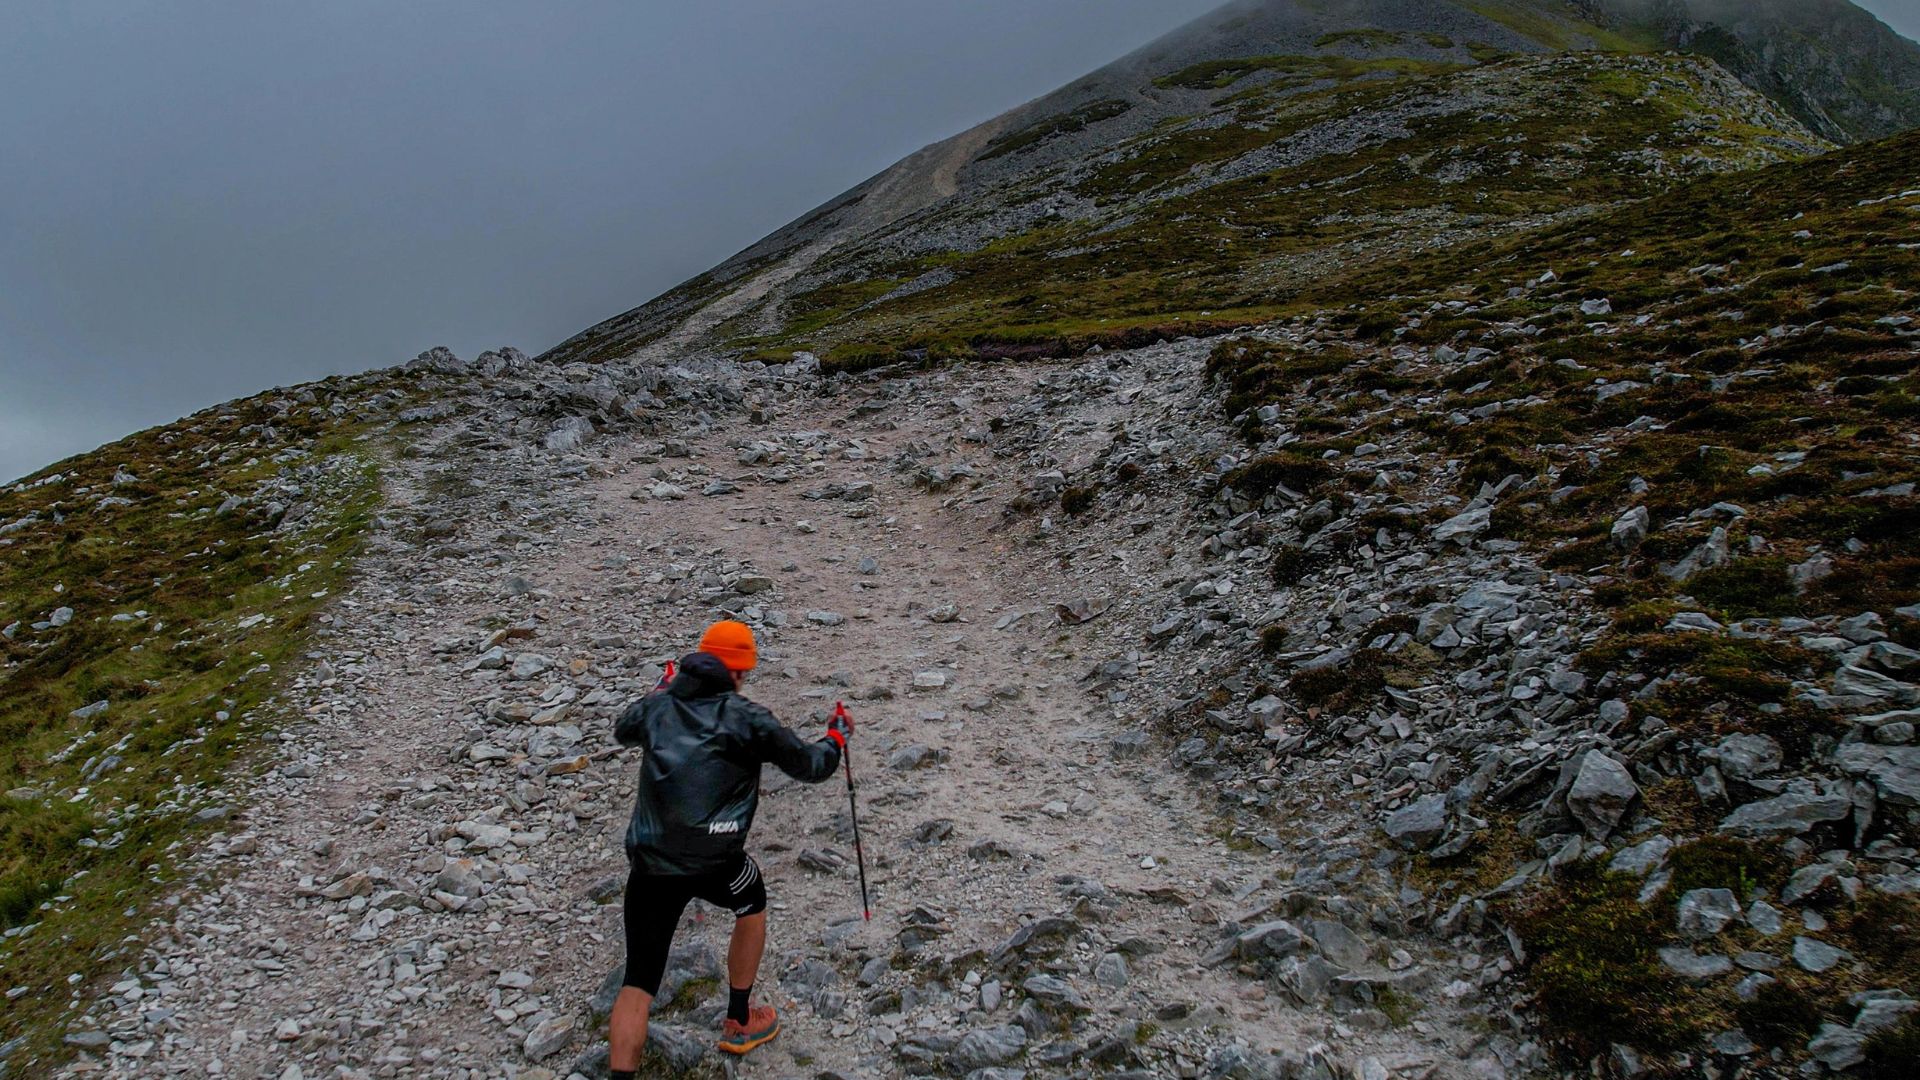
pixel 761 1026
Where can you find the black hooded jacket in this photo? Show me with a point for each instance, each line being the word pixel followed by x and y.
pixel 700 779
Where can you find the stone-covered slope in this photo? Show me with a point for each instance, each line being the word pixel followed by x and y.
pixel 1596 572
pixel 155 592
pixel 1210 93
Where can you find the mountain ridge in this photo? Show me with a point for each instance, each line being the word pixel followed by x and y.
pixel 1426 31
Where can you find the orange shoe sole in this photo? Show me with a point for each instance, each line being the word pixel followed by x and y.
pixel 737 1048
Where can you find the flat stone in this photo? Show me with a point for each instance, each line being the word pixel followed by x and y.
pixel 1464 526
pixel 1794 812
pixel 1277 939
pixel 1419 823
pixel 1733 1043
pixel 983 1048
pixel 546 1039
pixel 1643 858
pixel 1893 770
pixel 1817 956
pixel 1882 1013
pixel 1853 680
pixel 1744 757
pixel 1806 881
pixel 1692 965
pixel 528 665
pixel 677 1049
pixel 87 1040
pixel 1704 913
pixel 1765 918
pixel 1838 1048
pixel 1055 992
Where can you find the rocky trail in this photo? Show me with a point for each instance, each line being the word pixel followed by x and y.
pixel 426 882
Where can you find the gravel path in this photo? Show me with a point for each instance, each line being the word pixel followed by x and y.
pixel 421 885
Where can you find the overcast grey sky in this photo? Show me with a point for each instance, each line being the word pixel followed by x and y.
pixel 202 200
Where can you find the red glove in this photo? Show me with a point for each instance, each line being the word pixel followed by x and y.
pixel 666 677
pixel 840 726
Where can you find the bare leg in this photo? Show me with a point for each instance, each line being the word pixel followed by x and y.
pixel 628 1028
pixel 743 953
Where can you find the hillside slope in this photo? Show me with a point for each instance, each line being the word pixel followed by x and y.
pixel 1492 649
pixel 1219 97
pixel 1841 71
pixel 1505 668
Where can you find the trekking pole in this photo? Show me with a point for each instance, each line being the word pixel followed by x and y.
pixel 853 812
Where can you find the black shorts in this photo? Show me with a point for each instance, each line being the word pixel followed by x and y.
pixel 654 904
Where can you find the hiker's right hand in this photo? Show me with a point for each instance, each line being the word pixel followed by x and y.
pixel 840 727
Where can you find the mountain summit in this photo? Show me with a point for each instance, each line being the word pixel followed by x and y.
pixel 1276 141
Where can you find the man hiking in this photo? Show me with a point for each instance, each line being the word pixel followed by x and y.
pixel 699 786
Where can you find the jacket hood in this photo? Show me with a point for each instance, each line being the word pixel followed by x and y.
pixel 701 675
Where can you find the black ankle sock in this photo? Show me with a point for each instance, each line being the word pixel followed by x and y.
pixel 620 1074
pixel 737 1004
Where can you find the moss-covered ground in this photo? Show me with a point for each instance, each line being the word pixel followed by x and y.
pixel 1315 175
pixel 1754 369
pixel 184 618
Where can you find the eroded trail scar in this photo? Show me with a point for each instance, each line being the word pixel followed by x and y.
pixel 429 884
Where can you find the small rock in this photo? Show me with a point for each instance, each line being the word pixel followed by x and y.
pixel 1602 791
pixel 1630 529
pixel 1817 956
pixel 546 1039
pixel 1642 858
pixel 1692 965
pixel 985 1047
pixel 1420 823
pixel 1744 757
pixel 1838 1048
pixel 1466 526
pixel 1704 913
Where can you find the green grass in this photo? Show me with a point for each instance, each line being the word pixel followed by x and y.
pixel 1365 38
pixel 1053 126
pixel 1555 29
pixel 87 844
pixel 1192 249
pixel 1295 71
pixel 1593 965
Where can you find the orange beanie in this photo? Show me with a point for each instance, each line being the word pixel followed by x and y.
pixel 732 643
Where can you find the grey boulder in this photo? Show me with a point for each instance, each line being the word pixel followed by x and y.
pixel 1893 770
pixel 1419 823
pixel 1602 791
pixel 984 1047
pixel 1795 811
pixel 1743 757
pixel 1704 913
